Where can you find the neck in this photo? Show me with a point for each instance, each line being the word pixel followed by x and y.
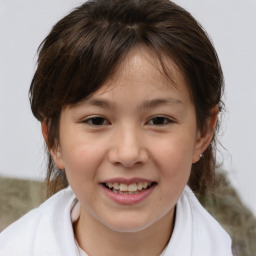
pixel 96 239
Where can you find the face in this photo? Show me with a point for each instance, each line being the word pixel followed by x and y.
pixel 128 149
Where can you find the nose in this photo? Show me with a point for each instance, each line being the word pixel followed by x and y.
pixel 128 149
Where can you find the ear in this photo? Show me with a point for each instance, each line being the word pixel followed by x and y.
pixel 55 150
pixel 204 137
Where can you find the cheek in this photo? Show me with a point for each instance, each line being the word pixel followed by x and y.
pixel 174 167
pixel 174 159
pixel 81 159
pixel 81 165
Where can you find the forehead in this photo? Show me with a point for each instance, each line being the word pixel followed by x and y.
pixel 141 68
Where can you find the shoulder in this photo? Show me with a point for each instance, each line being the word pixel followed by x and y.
pixel 209 236
pixel 196 232
pixel 42 224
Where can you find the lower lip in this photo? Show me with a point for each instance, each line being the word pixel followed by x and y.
pixel 127 199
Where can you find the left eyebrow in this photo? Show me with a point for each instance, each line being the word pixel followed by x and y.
pixel 161 101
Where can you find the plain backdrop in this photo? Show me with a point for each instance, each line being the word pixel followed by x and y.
pixel 230 23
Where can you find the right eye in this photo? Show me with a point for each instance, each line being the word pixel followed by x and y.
pixel 96 121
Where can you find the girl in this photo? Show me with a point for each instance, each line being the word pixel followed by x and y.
pixel 128 94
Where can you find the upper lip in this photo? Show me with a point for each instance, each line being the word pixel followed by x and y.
pixel 127 181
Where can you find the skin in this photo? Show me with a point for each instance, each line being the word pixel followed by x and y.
pixel 128 142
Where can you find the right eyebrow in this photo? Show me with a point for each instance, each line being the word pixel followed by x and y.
pixel 98 103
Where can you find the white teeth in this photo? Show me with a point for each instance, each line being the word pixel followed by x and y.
pixel 123 187
pixel 116 186
pixel 139 186
pixel 145 184
pixel 131 188
pixel 110 185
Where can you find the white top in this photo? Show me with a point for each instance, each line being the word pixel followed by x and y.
pixel 48 230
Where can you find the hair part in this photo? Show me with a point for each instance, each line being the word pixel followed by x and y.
pixel 84 49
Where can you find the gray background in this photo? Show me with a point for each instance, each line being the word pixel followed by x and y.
pixel 230 23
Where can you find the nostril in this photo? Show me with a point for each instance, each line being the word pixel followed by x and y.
pixel 128 159
pixel 127 165
pixel 127 150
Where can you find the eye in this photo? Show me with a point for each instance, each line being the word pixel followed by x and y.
pixel 96 121
pixel 159 120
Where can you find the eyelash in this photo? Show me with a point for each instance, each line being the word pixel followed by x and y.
pixel 166 120
pixel 100 121
pixel 96 118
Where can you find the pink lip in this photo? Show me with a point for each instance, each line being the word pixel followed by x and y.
pixel 126 199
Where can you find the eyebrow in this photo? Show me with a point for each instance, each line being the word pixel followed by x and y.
pixel 147 104
pixel 98 103
pixel 161 101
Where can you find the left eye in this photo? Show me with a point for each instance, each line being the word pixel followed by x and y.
pixel 159 120
pixel 96 121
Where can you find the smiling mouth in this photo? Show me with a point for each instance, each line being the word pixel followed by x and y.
pixel 131 189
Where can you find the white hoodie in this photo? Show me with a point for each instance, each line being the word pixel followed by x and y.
pixel 48 231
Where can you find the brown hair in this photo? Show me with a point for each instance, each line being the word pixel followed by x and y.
pixel 84 48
